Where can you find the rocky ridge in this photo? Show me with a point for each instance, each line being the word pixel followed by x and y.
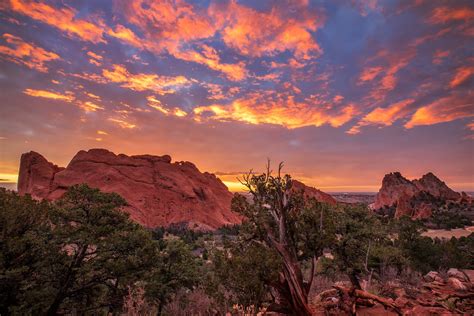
pixel 413 198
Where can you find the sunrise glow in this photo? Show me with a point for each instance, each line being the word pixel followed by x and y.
pixel 342 91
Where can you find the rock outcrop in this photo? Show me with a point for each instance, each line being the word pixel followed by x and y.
pixel 394 187
pixel 310 192
pixel 433 185
pixel 36 175
pixel 158 192
pixel 413 198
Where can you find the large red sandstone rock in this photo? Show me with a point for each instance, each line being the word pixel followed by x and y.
pixel 310 192
pixel 36 174
pixel 412 198
pixel 433 185
pixel 394 187
pixel 158 192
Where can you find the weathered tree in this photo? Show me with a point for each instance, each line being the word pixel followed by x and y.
pixel 272 221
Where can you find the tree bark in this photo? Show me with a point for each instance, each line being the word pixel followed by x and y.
pixel 69 279
pixel 294 278
pixel 355 281
pixel 369 296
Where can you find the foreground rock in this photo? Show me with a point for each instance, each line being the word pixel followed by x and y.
pixel 158 192
pixel 435 295
pixel 414 198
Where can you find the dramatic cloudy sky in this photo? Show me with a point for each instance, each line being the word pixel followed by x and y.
pixel 342 91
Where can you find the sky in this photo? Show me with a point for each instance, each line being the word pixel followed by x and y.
pixel 342 92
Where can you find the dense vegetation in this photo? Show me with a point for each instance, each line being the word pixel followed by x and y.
pixel 83 255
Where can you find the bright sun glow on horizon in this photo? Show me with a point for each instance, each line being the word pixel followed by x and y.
pixel 8 177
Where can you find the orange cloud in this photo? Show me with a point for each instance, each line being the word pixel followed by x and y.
pixel 370 73
pixel 215 91
pixel 157 105
pixel 68 97
pixel 439 55
pixel 462 74
pixel 122 123
pixel 27 54
pixel 140 82
pixel 126 35
pixel 256 33
pixel 260 109
pixel 168 21
pixel 63 19
pixel 94 55
pixel 95 62
pixel 338 98
pixel 89 106
pixel 167 26
pixel 446 14
pixel 443 110
pixel 383 116
pixel 93 96
pixel 211 59
pixel 95 59
pixel 388 81
pixel 173 26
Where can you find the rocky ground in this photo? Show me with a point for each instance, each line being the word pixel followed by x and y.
pixel 450 293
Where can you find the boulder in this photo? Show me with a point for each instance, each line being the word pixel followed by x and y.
pixel 455 273
pixel 433 276
pixel 457 284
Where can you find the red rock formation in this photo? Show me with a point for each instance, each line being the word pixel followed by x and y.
pixel 412 198
pixel 433 185
pixel 394 187
pixel 310 192
pixel 158 192
pixel 36 175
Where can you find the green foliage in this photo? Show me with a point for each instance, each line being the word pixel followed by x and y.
pixel 176 268
pixel 425 254
pixel 24 238
pixel 229 230
pixel 180 230
pixel 449 216
pixel 246 271
pixel 313 229
pixel 80 254
pixel 102 251
pixel 358 231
